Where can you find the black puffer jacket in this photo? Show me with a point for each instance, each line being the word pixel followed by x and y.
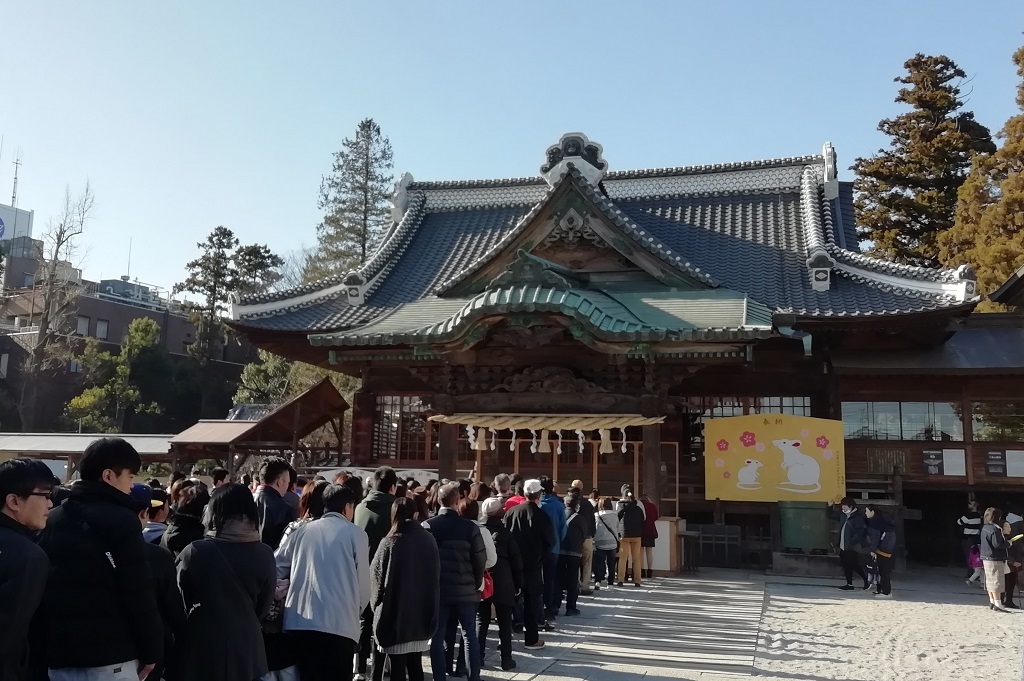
pixel 507 573
pixel 589 514
pixel 23 567
pixel 463 556
pixel 99 607
pixel 575 535
pixel 631 516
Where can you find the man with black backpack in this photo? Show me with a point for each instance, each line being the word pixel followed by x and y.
pixel 99 605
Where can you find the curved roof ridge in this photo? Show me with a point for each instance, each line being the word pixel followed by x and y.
pixel 717 167
pixel 503 242
pixel 404 228
pixel 873 264
pixel 697 169
pixel 648 241
pixel 810 206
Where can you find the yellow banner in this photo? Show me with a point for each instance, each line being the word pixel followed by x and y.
pixel 774 457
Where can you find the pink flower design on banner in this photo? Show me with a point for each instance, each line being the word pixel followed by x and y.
pixel 828 454
pixel 822 442
pixel 722 445
pixel 748 439
pixel 760 447
pixel 727 475
pixel 719 462
pixel 804 432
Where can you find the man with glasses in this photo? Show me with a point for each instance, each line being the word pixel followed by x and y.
pixel 25 487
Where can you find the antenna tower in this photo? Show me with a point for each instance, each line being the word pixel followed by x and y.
pixel 14 194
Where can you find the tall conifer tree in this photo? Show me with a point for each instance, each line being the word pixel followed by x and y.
pixel 355 200
pixel 989 230
pixel 907 194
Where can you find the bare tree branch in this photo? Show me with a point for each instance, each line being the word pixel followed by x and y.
pixel 59 287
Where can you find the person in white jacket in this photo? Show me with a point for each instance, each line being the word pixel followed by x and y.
pixel 606 541
pixel 327 562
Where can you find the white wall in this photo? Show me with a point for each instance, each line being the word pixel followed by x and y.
pixel 16 222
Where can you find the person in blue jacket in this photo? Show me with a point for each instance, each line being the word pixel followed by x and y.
pixel 554 507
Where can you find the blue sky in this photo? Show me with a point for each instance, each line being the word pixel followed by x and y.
pixel 189 115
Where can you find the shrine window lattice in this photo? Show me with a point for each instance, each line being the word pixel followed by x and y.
pixel 400 429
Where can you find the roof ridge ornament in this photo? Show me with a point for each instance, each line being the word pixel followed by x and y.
pixel 400 197
pixel 575 148
pixel 831 184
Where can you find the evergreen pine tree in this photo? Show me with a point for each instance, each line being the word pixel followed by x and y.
pixel 989 230
pixel 355 200
pixel 907 194
pixel 212 275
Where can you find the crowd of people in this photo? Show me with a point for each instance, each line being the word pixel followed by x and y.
pixel 109 579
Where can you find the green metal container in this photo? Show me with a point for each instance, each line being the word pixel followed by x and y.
pixel 804 526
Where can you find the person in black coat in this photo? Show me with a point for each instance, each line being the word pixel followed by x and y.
pixel 852 540
pixel 25 488
pixel 227 583
pixel 631 520
pixel 186 522
pixel 535 534
pixel 507 576
pixel 274 513
pixel 165 584
pixel 405 594
pixel 99 605
pixel 463 557
pixel 881 536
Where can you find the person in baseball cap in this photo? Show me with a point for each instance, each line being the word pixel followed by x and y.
pixel 142 495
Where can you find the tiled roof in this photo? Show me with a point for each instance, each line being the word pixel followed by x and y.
pixel 749 227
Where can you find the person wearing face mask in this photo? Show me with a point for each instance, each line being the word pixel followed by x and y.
pixel 852 538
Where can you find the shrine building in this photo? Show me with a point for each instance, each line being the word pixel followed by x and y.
pixel 585 323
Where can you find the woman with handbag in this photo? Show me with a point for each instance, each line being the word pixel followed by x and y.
pixel 881 544
pixel 227 582
pixel 606 541
pixel 994 553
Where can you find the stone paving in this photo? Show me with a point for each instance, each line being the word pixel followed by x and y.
pixel 668 628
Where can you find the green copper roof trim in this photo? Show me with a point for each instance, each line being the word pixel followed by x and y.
pixel 601 315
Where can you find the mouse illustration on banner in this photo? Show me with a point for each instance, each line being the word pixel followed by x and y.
pixel 803 473
pixel 747 477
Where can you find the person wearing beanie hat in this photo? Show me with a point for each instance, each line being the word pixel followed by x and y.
pixel 534 533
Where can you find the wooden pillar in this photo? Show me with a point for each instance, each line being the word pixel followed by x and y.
pixel 364 409
pixel 295 434
pixel 231 461
pixel 652 478
pixel 447 453
pixel 901 543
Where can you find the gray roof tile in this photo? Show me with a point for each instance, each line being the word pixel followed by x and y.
pixel 755 240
